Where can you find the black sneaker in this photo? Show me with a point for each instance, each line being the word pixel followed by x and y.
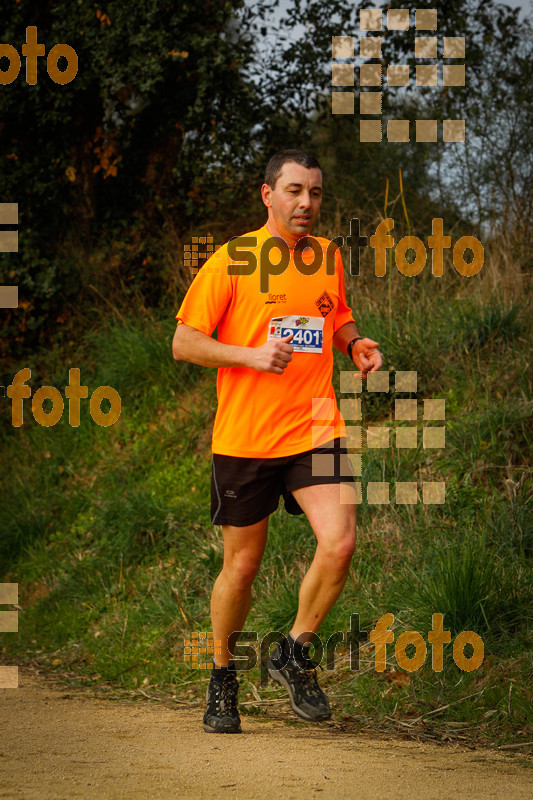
pixel 306 697
pixel 221 714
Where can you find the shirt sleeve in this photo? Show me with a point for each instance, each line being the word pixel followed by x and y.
pixel 208 295
pixel 344 312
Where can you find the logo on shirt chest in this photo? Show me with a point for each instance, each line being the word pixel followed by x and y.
pixel 276 298
pixel 325 304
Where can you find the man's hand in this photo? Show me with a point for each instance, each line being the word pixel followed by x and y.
pixel 273 356
pixel 366 356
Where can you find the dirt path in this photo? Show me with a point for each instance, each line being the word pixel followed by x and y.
pixel 58 744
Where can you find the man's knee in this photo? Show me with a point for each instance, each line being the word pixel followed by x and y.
pixel 346 547
pixel 242 569
pixel 338 551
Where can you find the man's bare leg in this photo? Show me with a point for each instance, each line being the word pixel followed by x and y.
pixel 333 524
pixel 232 591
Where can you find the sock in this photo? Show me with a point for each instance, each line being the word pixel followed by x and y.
pixel 219 673
pixel 300 651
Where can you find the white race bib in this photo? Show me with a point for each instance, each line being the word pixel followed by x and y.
pixel 307 332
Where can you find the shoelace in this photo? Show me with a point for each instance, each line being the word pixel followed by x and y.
pixel 228 693
pixel 307 677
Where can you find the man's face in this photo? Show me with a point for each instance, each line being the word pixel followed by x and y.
pixel 294 203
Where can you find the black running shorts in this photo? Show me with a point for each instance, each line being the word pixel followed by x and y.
pixel 246 490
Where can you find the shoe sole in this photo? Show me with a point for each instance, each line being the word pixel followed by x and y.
pixel 276 675
pixel 207 729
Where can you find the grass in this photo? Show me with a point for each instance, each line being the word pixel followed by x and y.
pixel 474 590
pixel 107 530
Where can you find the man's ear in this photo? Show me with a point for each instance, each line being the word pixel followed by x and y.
pixel 266 191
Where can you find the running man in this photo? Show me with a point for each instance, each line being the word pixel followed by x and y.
pixel 277 430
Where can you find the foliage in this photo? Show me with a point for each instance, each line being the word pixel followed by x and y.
pixel 160 98
pixel 175 109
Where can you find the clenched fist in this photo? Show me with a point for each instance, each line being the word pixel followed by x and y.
pixel 273 356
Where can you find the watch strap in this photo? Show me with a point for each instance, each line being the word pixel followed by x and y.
pixel 350 346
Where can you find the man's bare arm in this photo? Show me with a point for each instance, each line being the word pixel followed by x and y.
pixel 343 337
pixel 190 344
pixel 365 354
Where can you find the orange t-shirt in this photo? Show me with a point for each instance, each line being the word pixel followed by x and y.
pixel 262 414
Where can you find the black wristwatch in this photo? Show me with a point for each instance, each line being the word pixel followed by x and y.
pixel 351 344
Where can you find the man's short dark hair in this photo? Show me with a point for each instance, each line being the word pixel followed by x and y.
pixel 274 166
